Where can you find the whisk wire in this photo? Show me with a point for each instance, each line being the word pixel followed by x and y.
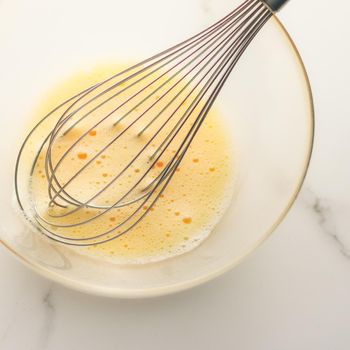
pixel 191 73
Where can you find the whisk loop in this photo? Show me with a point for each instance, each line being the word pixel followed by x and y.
pixel 158 105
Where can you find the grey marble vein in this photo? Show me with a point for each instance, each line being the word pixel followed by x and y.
pixel 323 211
pixel 7 329
pixel 49 311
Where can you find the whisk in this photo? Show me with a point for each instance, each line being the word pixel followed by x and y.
pixel 159 105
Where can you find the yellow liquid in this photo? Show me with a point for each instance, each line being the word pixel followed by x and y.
pixel 186 211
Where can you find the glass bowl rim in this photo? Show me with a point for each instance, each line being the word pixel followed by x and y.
pixel 155 292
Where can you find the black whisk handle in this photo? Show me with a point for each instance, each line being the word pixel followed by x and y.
pixel 275 5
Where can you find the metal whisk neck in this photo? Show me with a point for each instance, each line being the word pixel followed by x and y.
pixel 275 5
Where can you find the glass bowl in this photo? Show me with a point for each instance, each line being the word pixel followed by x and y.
pixel 267 103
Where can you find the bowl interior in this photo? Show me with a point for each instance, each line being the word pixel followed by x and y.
pixel 266 103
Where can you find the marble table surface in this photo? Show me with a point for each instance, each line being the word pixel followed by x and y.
pixel 292 293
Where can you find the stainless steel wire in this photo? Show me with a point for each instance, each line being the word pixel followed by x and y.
pixel 149 96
